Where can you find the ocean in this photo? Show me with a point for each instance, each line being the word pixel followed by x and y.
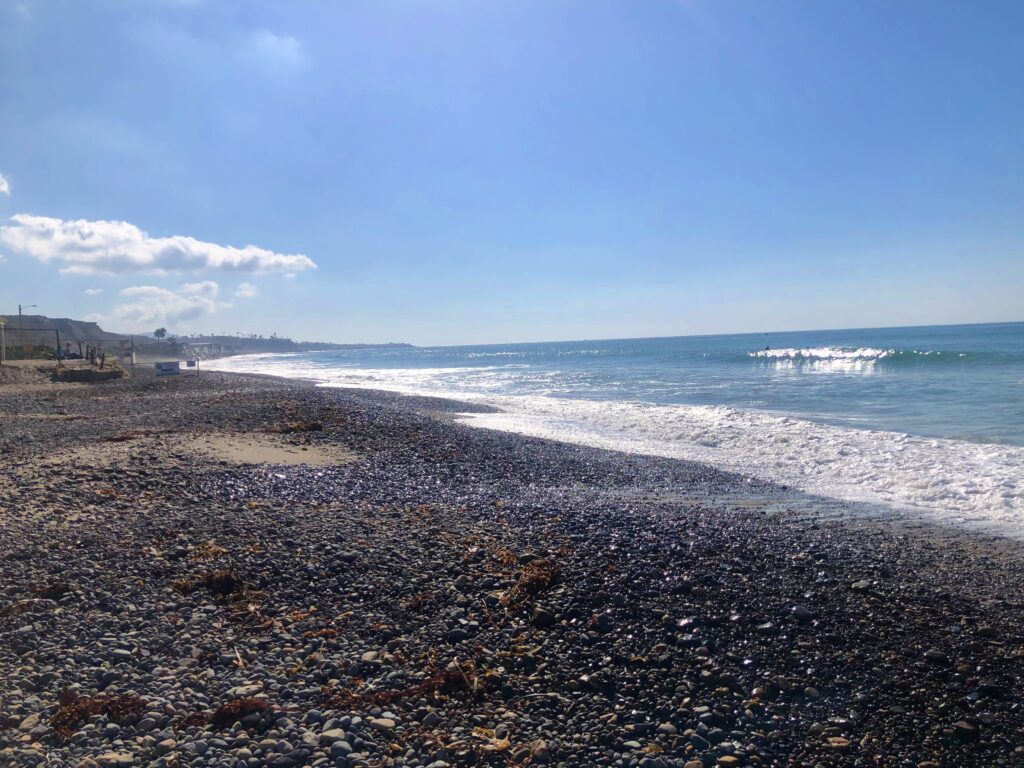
pixel 928 419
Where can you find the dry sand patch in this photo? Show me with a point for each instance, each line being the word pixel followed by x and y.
pixel 233 448
pixel 30 376
pixel 256 448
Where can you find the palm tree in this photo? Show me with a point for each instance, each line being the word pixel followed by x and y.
pixel 160 333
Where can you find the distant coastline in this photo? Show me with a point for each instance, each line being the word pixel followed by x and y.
pixel 207 347
pixel 42 334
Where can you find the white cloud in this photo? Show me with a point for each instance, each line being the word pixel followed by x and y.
pixel 115 247
pixel 93 291
pixel 5 185
pixel 206 288
pixel 149 305
pixel 275 53
pixel 246 291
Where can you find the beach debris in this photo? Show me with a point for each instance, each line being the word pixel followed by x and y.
pixel 491 742
pixel 535 577
pixel 325 633
pixel 208 550
pixel 221 583
pixel 455 677
pixel 504 556
pixel 75 709
pixel 236 709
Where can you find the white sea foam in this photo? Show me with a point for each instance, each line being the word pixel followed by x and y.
pixel 949 480
pixel 825 359
pixel 846 359
pixel 824 353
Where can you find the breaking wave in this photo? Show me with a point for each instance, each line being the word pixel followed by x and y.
pixel 857 358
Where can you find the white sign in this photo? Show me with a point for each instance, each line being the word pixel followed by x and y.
pixel 167 369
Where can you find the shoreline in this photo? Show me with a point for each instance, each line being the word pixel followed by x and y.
pixel 455 595
pixel 975 492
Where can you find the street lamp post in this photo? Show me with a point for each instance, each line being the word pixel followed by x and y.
pixel 21 325
pixel 27 306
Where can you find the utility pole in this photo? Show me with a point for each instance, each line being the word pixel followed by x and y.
pixel 21 335
pixel 3 343
pixel 27 306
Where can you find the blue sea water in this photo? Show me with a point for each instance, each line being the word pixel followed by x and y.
pixel 924 417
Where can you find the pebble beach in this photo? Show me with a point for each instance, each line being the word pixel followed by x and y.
pixel 236 570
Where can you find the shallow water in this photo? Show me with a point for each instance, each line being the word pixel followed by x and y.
pixel 925 418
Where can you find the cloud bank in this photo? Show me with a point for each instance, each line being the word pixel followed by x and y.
pixel 148 305
pixel 5 185
pixel 117 247
pixel 142 307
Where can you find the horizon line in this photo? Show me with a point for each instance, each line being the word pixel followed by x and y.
pixel 732 333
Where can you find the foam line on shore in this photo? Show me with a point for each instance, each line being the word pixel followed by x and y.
pixel 950 480
pixel 954 481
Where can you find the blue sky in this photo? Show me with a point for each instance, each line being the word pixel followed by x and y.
pixel 469 172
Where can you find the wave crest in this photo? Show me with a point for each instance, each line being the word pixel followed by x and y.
pixel 824 353
pixel 854 358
